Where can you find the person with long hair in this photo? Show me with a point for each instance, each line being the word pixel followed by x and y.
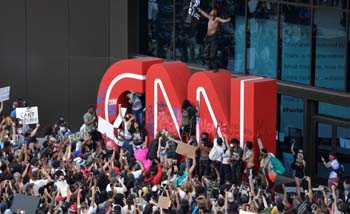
pixel 298 166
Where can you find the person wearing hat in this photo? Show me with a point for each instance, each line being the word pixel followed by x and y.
pixel 73 208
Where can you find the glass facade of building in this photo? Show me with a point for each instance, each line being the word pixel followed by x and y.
pixel 303 43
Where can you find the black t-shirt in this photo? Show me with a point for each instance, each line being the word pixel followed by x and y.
pixel 224 187
pixel 188 115
pixel 237 151
pixel 138 137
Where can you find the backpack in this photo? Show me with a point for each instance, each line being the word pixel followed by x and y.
pixel 340 171
pixel 277 166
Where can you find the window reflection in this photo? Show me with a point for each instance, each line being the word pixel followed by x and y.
pixel 291 128
pixel 324 147
pixel 330 49
pixel 332 3
pixel 159 37
pixel 190 33
pixel 295 27
pixel 263 38
pixel 328 109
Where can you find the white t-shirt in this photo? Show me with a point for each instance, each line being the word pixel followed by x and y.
pixel 125 209
pixel 62 187
pixel 226 157
pixel 92 210
pixel 182 194
pixel 137 174
pixel 220 150
pixel 37 185
pixel 334 165
pixel 117 189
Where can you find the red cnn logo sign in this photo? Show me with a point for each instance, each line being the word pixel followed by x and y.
pixel 243 107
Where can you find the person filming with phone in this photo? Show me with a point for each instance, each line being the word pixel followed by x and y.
pixel 334 166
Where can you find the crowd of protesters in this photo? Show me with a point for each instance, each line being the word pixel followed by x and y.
pixel 91 176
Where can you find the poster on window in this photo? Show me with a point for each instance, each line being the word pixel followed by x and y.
pixel 29 115
pixel 192 10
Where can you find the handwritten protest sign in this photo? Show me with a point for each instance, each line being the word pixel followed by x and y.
pixel 106 128
pixel 164 202
pixel 186 150
pixel 77 136
pixel 192 10
pixel 29 115
pixel 4 93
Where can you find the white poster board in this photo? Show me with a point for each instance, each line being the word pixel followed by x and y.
pixel 29 115
pixel 119 119
pixel 4 93
pixel 104 127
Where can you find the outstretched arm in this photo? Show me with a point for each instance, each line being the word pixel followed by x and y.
pixel 292 149
pixel 206 15
pixel 221 20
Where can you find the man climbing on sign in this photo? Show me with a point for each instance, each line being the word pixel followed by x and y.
pixel 212 39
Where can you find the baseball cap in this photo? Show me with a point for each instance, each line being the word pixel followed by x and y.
pixel 73 208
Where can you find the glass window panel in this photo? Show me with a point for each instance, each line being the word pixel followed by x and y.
pixel 159 31
pixel 331 3
pixel 263 38
pixel 239 39
pixel 330 49
pixel 190 33
pixel 295 27
pixel 291 127
pixel 334 110
pixel 349 57
pixel 324 147
pixel 343 147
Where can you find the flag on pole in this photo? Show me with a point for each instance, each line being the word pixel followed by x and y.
pixel 192 9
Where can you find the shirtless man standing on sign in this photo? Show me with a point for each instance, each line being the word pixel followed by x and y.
pixel 212 38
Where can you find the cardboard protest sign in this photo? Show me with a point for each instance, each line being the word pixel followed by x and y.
pixel 192 10
pixel 186 150
pixel 105 128
pixel 77 136
pixel 29 115
pixel 4 93
pixel 164 202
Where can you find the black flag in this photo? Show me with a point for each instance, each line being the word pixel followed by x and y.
pixel 192 9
